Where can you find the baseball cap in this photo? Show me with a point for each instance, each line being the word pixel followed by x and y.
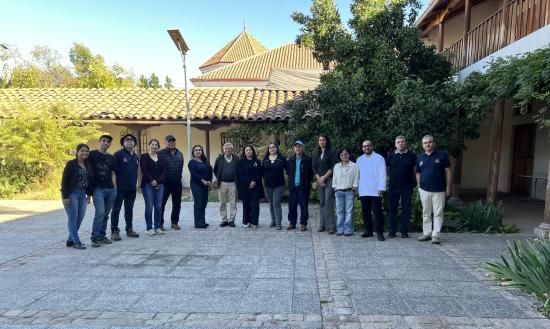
pixel 298 141
pixel 169 138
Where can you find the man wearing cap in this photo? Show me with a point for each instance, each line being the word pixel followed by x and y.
pixel 225 170
pixel 104 187
pixel 300 173
pixel 126 170
pixel 173 159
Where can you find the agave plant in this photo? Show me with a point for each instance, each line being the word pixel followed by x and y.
pixel 528 268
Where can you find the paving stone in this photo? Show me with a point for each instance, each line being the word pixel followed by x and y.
pixel 268 303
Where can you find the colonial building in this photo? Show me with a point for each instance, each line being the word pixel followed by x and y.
pixel 512 155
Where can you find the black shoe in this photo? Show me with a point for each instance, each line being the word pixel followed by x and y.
pixel 79 246
pixel 206 224
pixel 231 224
pixel 69 243
pixel 348 234
pixel 96 244
pixel 366 235
pixel 224 224
pixel 132 234
pixel 272 224
pixel 391 235
pixel 202 226
pixel 331 231
pixel 380 236
pixel 105 241
pixel 404 235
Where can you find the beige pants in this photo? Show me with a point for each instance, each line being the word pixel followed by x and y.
pixel 432 202
pixel 227 192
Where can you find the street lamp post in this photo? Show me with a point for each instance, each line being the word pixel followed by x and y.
pixel 180 43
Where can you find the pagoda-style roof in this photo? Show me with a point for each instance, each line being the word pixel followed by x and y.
pixel 241 47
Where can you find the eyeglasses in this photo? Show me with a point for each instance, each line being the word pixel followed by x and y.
pixel 364 146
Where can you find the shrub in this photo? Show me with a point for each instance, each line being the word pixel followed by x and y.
pixel 483 217
pixel 528 269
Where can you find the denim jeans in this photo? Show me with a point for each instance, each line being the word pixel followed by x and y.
pixel 275 195
pixel 406 197
pixel 344 211
pixel 374 203
pixel 298 197
pixel 153 201
pixel 200 195
pixel 129 197
pixel 75 213
pixel 104 199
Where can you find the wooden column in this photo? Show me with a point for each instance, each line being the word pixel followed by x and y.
pixel 543 230
pixel 503 40
pixel 467 20
pixel 496 144
pixel 207 141
pixel 440 36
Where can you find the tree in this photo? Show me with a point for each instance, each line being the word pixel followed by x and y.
pixel 143 82
pixel 154 81
pixel 168 83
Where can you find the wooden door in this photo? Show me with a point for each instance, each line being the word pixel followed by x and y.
pixel 523 157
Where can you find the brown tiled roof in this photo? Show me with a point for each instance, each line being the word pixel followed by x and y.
pixel 156 104
pixel 257 68
pixel 243 46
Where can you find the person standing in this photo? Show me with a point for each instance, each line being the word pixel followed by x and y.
pixel 173 159
pixel 433 175
pixel 249 185
pixel 401 165
pixel 75 192
pixel 201 179
pixel 299 184
pixel 345 182
pixel 126 170
pixel 324 160
pixel 225 170
pixel 274 166
pixel 372 184
pixel 104 187
pixel 153 171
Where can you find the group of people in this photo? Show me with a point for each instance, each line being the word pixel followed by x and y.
pixel 112 180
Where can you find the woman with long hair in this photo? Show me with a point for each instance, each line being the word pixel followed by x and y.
pixel 324 160
pixel 249 185
pixel 76 192
pixel 274 166
pixel 201 179
pixel 153 170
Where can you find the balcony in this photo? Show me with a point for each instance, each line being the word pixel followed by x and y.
pixel 510 23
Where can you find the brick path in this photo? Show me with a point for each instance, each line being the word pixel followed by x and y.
pixel 250 278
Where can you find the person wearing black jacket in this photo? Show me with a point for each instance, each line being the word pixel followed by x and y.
pixel 225 170
pixel 274 166
pixel 324 160
pixel 249 185
pixel 173 159
pixel 299 184
pixel 76 191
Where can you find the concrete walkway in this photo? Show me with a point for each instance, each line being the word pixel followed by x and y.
pixel 250 278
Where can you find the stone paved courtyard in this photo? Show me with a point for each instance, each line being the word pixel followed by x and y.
pixel 250 278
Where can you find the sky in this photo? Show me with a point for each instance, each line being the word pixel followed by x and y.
pixel 133 33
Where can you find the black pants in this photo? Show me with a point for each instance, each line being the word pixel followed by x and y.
pixel 200 196
pixel 251 206
pixel 373 203
pixel 298 197
pixel 173 189
pixel 405 194
pixel 129 197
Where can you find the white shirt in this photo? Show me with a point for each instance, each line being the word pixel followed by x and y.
pixel 372 174
pixel 345 178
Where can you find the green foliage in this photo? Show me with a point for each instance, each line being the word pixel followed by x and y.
pixel 528 269
pixel 259 135
pixel 168 83
pixel 35 144
pixel 154 81
pixel 483 217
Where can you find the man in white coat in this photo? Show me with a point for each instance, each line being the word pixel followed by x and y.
pixel 372 184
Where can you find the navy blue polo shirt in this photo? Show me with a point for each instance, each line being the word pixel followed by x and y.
pixel 401 169
pixel 126 169
pixel 432 170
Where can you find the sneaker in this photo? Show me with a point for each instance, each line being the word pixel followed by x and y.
pixel 231 224
pixel 246 225
pixel 224 224
pixel 279 227
pixel 391 235
pixel 380 236
pixel 303 227
pixel 366 235
pixel 105 240
pixel 132 234
pixel 252 225
pixel 404 235
pixel 291 227
pixel 78 245
pixel 159 231
pixel 96 244
pixel 331 231
pixel 173 226
pixel 339 233
pixel 435 240
pixel 424 238
pixel 69 243
pixel 115 236
pixel 151 232
pixel 348 234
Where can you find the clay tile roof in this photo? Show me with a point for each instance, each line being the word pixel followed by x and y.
pixel 243 46
pixel 258 67
pixel 156 104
